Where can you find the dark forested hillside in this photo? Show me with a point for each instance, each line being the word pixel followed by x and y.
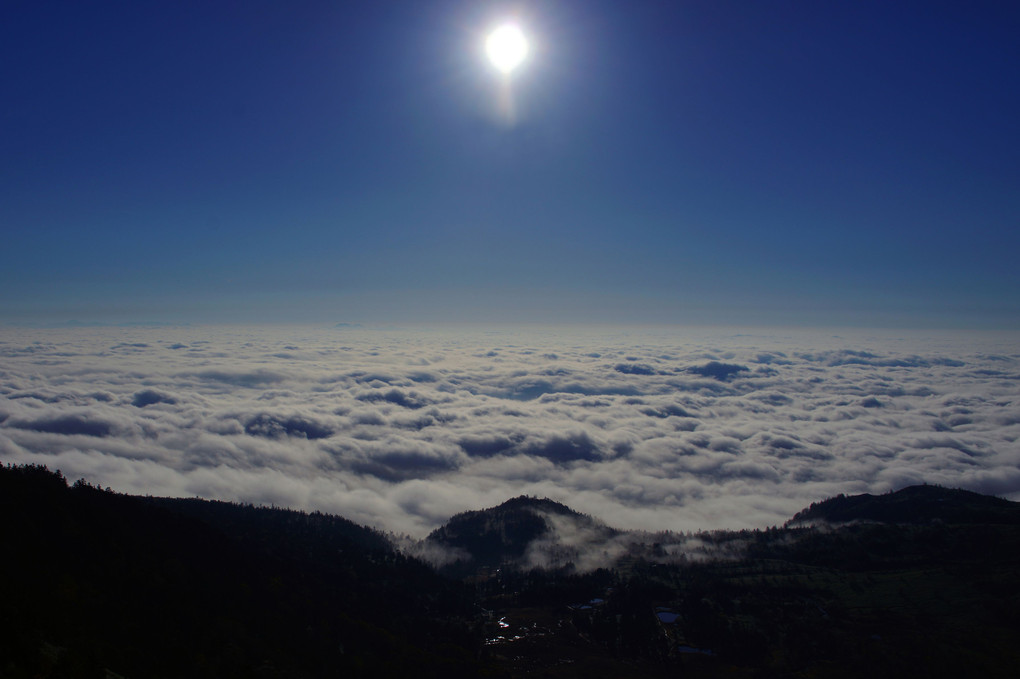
pixel 914 504
pixel 937 596
pixel 502 535
pixel 922 582
pixel 93 581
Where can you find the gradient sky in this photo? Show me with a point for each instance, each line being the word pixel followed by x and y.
pixel 679 162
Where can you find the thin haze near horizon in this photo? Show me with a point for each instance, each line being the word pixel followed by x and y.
pixel 848 163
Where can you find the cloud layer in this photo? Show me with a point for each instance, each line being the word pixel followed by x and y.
pixel 653 429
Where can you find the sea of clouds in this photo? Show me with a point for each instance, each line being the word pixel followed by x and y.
pixel 646 428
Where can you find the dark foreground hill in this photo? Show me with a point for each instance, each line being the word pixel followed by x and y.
pixel 923 582
pixel 93 582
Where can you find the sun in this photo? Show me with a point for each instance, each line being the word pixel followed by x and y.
pixel 507 47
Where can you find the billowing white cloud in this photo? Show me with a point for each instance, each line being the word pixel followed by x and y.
pixel 654 429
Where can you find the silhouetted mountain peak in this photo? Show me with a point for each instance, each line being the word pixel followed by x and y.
pixel 912 505
pixel 517 532
pixel 536 504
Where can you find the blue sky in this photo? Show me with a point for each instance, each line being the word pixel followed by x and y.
pixel 669 162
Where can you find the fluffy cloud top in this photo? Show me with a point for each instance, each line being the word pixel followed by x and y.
pixel 665 429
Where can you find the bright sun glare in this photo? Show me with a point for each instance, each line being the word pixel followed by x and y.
pixel 506 47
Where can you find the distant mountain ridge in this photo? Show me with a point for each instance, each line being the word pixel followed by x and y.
pixel 912 505
pixel 526 532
